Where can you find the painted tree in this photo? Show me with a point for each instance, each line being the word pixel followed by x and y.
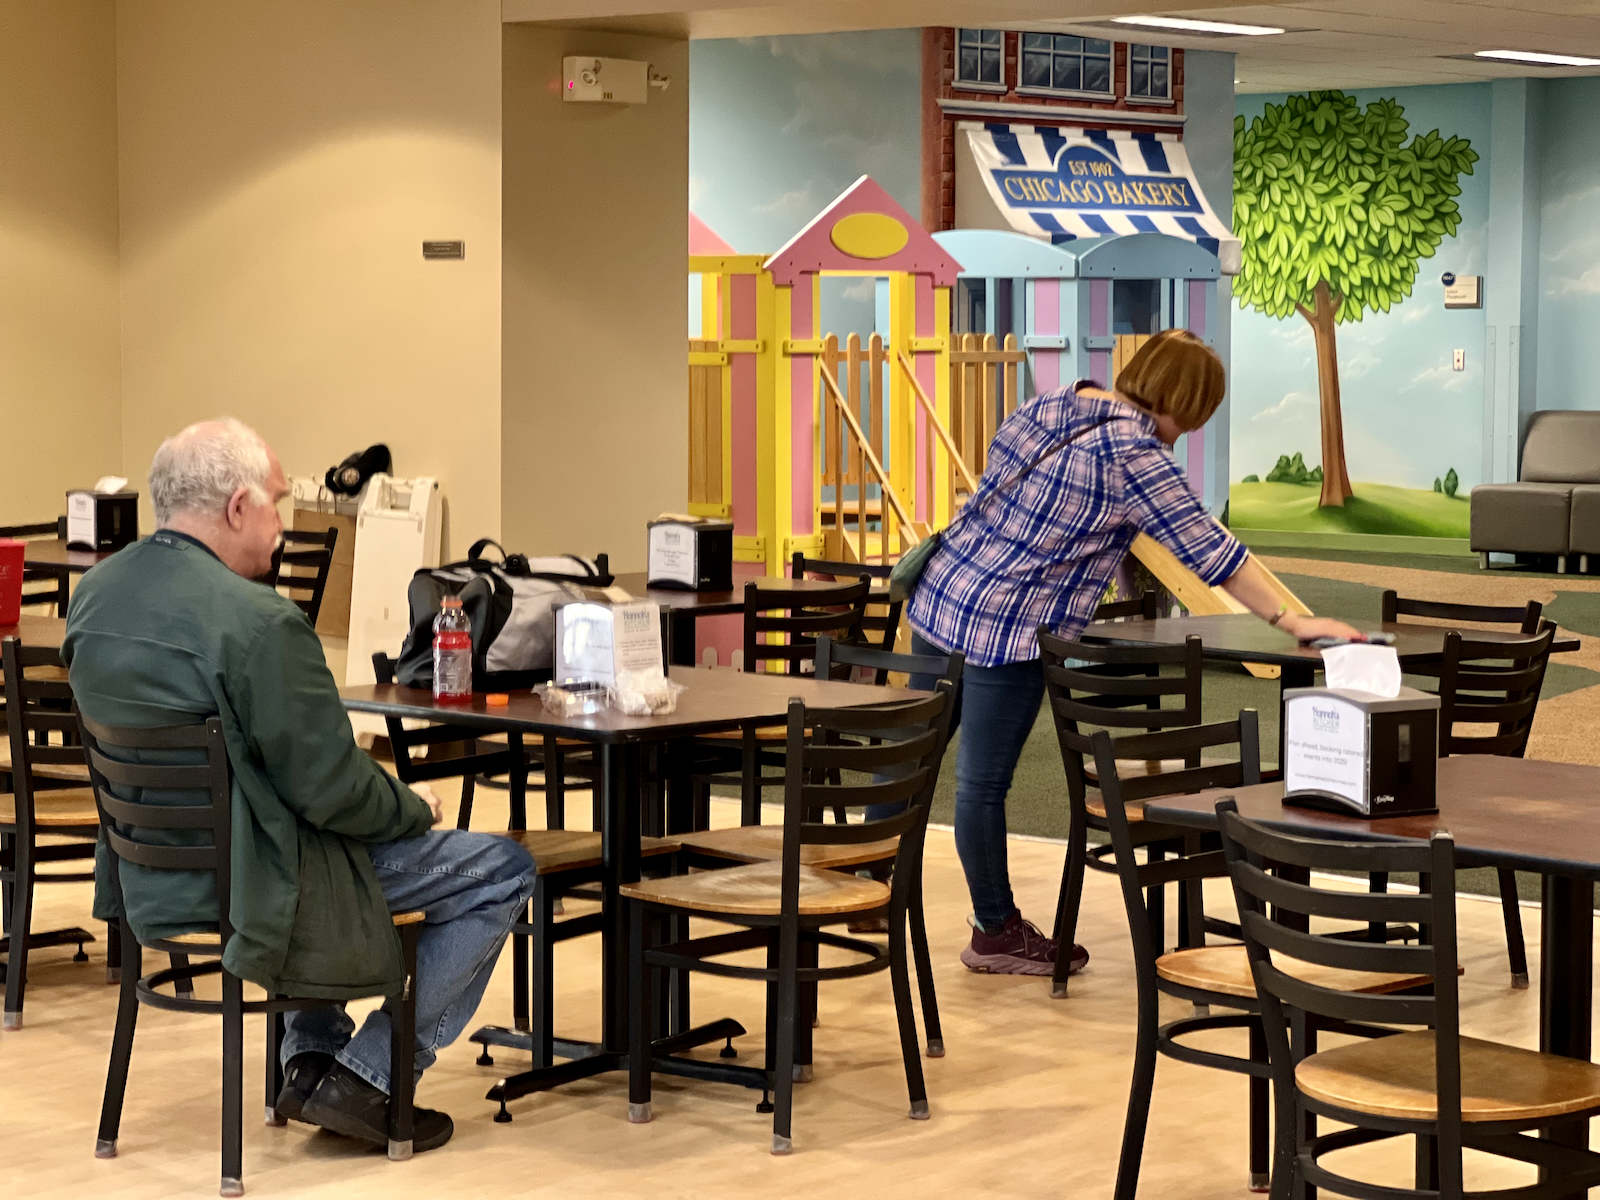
pixel 1336 209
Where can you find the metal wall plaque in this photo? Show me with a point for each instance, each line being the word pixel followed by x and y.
pixel 444 249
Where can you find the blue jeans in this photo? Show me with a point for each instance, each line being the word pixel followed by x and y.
pixel 472 887
pixel 999 706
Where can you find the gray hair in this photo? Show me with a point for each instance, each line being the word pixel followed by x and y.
pixel 199 468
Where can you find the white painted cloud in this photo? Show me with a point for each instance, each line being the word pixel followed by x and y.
pixel 1291 405
pixel 1357 363
pixel 1586 284
pixel 1441 378
pixel 798 203
pixel 862 289
pixel 699 189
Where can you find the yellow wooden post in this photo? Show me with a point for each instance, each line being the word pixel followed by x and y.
pixel 771 366
pixel 902 405
pixel 779 459
pixel 944 501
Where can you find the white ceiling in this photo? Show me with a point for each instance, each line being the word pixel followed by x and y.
pixel 1336 43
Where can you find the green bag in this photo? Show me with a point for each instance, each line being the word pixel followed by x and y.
pixel 903 579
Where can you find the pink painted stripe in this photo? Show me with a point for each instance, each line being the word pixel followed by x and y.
pixel 1197 460
pixel 1046 370
pixel 1197 307
pixel 1099 308
pixel 1047 306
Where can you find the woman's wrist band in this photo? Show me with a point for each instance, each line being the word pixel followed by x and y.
pixel 1279 615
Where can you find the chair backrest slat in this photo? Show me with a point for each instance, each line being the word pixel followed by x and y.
pixel 836 660
pixel 880 621
pixel 1498 683
pixel 1523 619
pixel 1141 607
pixel 798 619
pixel 309 580
pixel 39 724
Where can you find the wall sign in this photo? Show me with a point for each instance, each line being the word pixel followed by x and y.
pixel 444 249
pixel 1462 291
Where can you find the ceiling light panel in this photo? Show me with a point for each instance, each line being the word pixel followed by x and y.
pixel 1187 25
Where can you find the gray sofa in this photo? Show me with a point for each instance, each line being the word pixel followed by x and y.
pixel 1554 508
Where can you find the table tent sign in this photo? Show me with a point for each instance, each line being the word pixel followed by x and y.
pixel 1062 184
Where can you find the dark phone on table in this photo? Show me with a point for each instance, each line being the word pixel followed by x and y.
pixel 1373 639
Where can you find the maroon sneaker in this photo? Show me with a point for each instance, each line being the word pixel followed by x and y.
pixel 1018 949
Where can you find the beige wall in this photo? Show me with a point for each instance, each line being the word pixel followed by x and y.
pixel 595 421
pixel 281 163
pixel 59 406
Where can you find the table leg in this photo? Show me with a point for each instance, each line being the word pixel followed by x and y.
pixel 619 864
pixel 680 638
pixel 1566 983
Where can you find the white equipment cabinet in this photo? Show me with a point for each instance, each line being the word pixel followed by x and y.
pixel 398 528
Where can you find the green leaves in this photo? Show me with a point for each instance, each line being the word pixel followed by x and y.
pixel 1328 192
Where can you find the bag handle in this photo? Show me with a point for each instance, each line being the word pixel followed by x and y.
pixel 1062 444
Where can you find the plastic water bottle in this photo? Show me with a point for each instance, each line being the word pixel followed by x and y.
pixel 452 652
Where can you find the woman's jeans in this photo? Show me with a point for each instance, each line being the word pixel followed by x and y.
pixel 998 708
pixel 472 887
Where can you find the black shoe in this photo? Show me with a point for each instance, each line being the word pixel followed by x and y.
pixel 345 1103
pixel 301 1074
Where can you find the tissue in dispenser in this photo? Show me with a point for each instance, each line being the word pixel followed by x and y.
pixel 1358 753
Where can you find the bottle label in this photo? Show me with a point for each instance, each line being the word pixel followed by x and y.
pixel 453 640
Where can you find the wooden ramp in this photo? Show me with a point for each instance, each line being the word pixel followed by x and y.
pixel 1203 601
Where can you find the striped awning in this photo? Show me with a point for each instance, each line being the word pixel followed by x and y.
pixel 1060 184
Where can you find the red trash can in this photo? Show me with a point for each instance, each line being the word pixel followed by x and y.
pixel 10 581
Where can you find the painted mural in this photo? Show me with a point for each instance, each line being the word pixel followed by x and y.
pixel 1347 220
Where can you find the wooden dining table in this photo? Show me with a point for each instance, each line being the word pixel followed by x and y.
pixel 1526 815
pixel 680 609
pixel 54 556
pixel 712 700
pixel 37 631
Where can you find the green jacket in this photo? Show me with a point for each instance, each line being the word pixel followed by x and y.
pixel 164 634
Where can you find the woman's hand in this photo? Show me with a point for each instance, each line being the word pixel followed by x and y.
pixel 1309 628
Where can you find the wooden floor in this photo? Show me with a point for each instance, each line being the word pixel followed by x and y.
pixel 1028 1102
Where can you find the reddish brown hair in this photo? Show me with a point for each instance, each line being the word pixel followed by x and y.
pixel 1177 374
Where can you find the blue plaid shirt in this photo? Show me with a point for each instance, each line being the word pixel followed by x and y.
pixel 1043 551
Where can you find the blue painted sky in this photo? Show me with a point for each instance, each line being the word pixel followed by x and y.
pixel 1408 417
pixel 1569 266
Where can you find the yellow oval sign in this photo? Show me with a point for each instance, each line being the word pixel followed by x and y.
pixel 869 235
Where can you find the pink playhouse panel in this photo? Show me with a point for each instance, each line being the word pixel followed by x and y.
pixel 742 370
pixel 1100 326
pixel 802 367
pixel 812 249
pixel 1047 323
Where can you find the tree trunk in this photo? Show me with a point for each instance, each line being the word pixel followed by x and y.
pixel 1335 478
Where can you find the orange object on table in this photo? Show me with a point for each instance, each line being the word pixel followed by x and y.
pixel 497 699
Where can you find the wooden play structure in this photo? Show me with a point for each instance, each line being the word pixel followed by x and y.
pixel 856 451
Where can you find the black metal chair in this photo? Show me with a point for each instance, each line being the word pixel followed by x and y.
pixel 783 907
pixel 48 795
pixel 1206 976
pixel 303 574
pixel 764 843
pixel 192 827
pixel 781 628
pixel 1428 1083
pixel 1141 607
pixel 1495 683
pixel 880 622
pixel 57 591
pixel 1118 687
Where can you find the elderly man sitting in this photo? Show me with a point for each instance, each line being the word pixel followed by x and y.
pixel 326 843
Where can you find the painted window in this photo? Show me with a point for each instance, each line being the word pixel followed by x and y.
pixel 980 55
pixel 1058 63
pixel 1149 71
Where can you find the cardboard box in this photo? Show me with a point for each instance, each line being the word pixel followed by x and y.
pixel 334 619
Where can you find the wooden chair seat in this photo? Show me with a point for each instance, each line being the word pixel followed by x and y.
pixel 69 808
pixel 73 772
pixel 764 733
pixel 754 890
pixel 1226 969
pixel 1394 1077
pixel 206 940
pixel 500 739
pixel 1096 807
pixel 1129 768
pixel 764 843
pixel 556 850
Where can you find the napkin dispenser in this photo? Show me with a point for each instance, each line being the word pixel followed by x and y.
pixel 1359 753
pixel 607 644
pixel 690 554
pixel 102 521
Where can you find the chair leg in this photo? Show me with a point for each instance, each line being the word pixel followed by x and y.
pixel 274 1071
pixel 640 1065
pixel 1071 898
pixel 232 1086
pixel 1260 1115
pixel 788 998
pixel 1516 949
pixel 403 1051
pixel 702 806
pixel 749 774
pixel 924 961
pixel 678 931
pixel 1156 904
pixel 113 953
pixel 184 987
pixel 21 911
pixel 1191 905
pixel 519 975
pixel 555 786
pixel 1143 1083
pixel 7 886
pixel 121 1045
pixel 469 792
pixel 805 1013
pixel 1378 883
pixel 1427 1168
pixel 906 1018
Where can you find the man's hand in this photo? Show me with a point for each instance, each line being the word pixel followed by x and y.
pixel 1309 628
pixel 431 799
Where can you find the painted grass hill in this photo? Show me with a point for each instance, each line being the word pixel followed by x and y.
pixel 1375 508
